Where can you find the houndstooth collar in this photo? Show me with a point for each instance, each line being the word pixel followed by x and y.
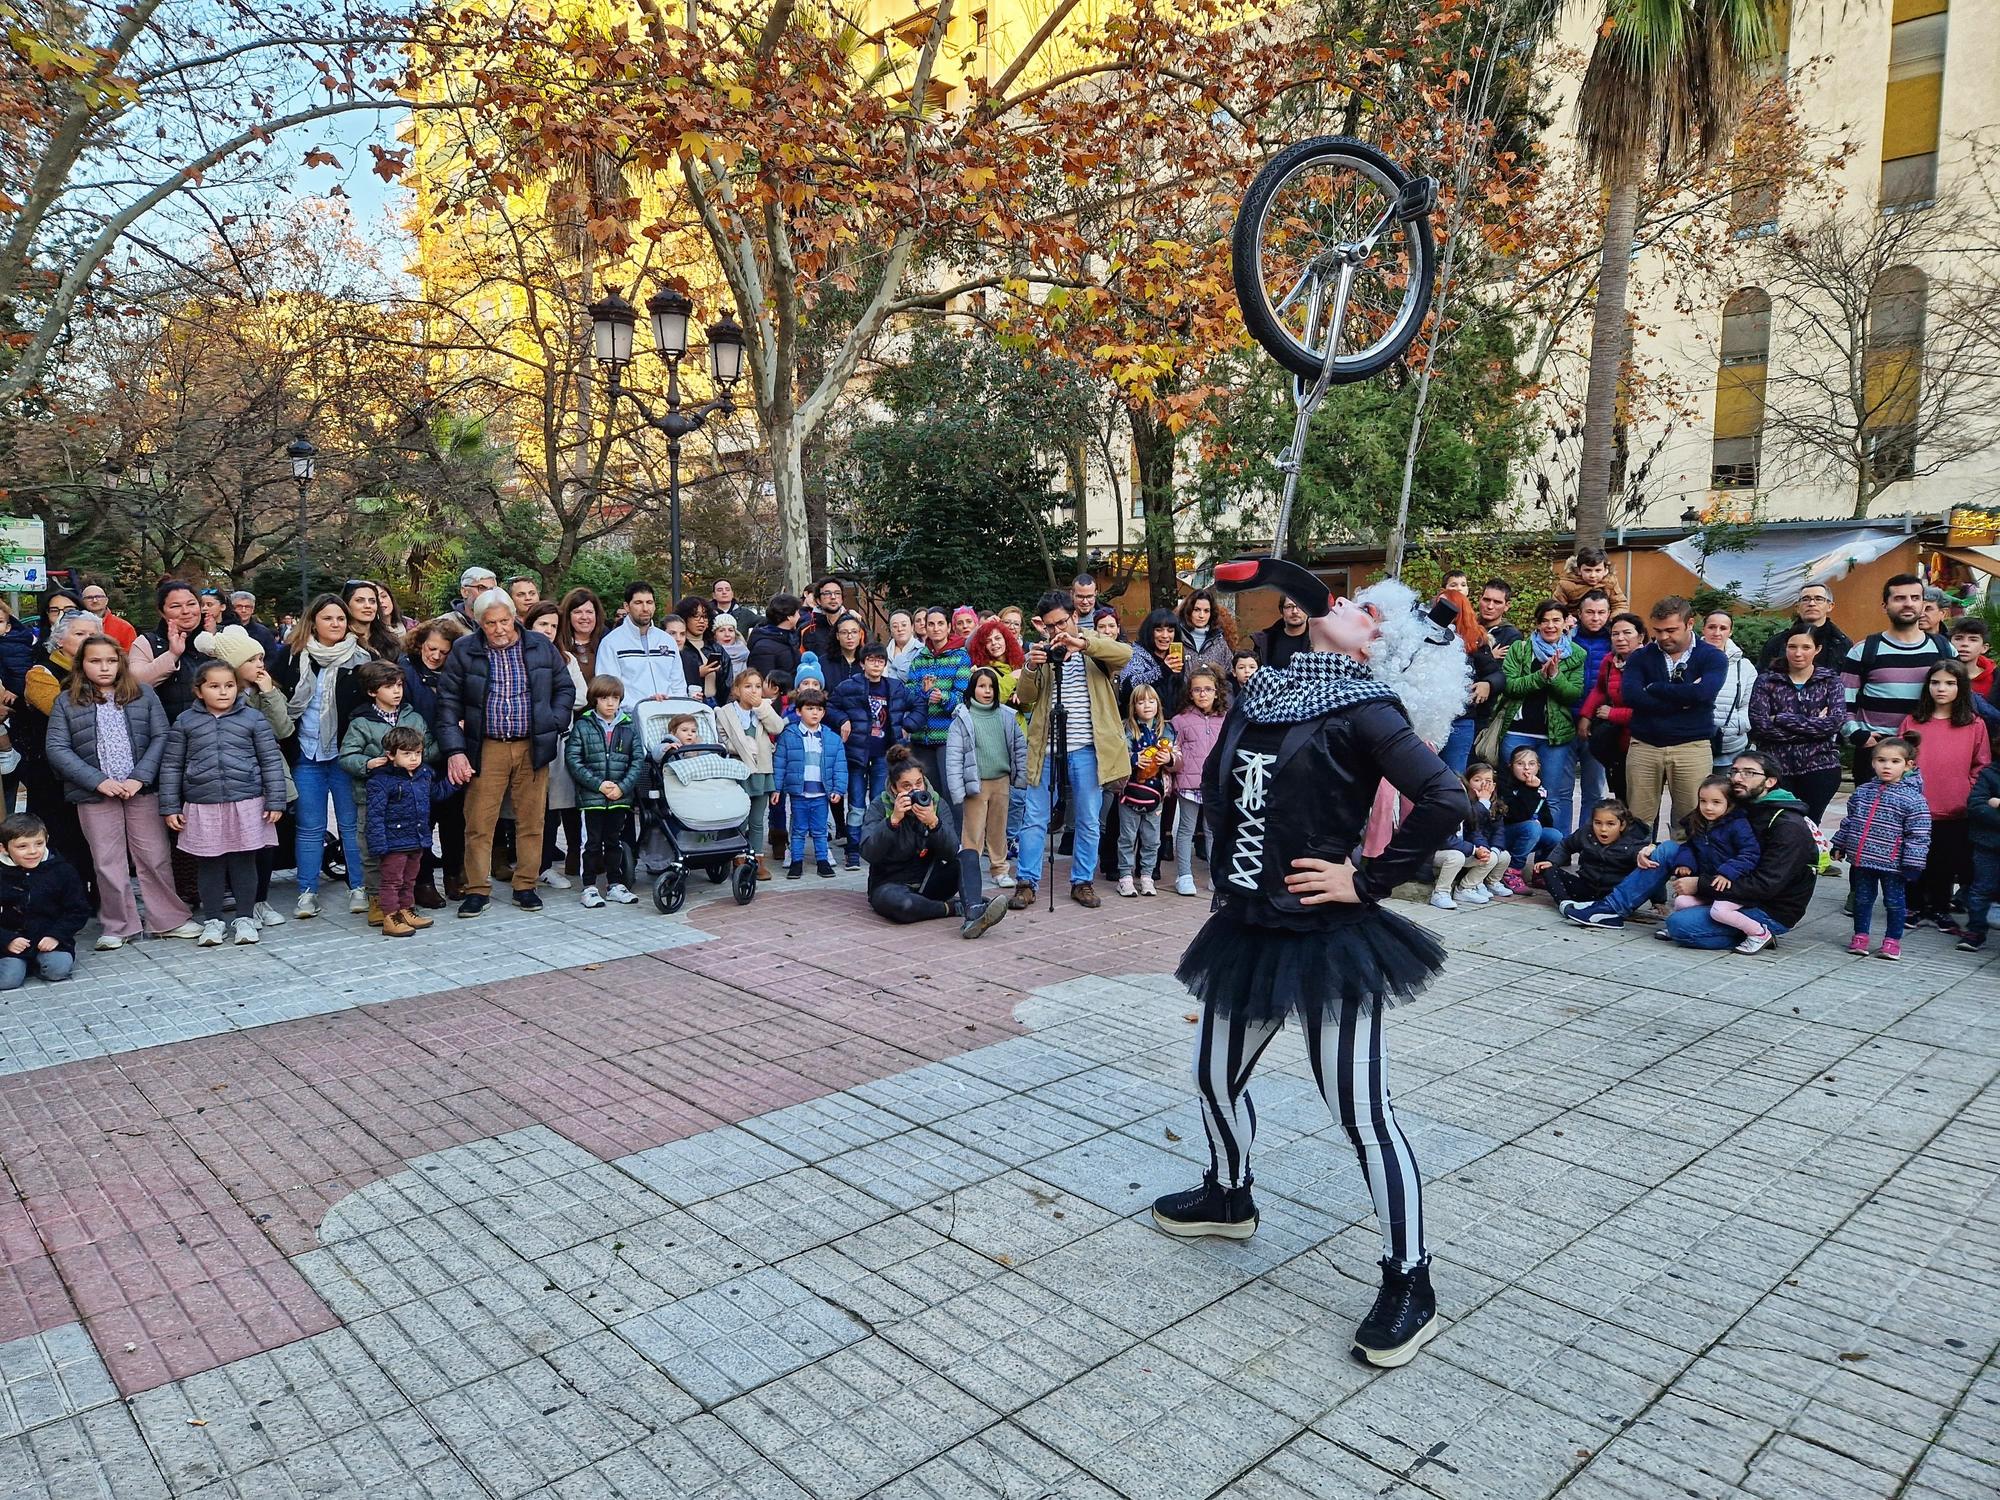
pixel 1313 684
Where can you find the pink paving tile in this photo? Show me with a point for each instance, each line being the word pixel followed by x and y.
pixel 126 1269
pixel 319 1048
pixel 33 1298
pixel 291 1219
pixel 211 1323
pixel 620 1127
pixel 187 1076
pixel 19 1239
pixel 112 1205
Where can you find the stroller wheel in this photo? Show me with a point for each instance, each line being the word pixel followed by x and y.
pixel 746 882
pixel 670 891
pixel 717 874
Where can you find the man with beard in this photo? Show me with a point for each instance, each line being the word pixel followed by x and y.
pixel 1884 673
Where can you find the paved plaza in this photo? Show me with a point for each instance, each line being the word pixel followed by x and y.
pixel 782 1201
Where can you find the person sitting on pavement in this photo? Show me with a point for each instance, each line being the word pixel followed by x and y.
pixel 916 870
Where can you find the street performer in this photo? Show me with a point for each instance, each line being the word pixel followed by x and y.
pixel 1298 929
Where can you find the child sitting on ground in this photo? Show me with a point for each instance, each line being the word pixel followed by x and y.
pixel 1605 851
pixel 42 905
pixel 1886 837
pixel 400 791
pixel 1476 851
pixel 1719 845
pixel 1528 829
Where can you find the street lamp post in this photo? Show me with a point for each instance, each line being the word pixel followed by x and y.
pixel 302 454
pixel 612 321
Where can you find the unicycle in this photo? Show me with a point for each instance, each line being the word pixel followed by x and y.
pixel 1333 260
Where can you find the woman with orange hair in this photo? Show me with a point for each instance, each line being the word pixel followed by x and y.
pixel 1488 679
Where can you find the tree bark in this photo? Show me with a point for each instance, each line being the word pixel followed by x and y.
pixel 789 475
pixel 1154 446
pixel 1607 359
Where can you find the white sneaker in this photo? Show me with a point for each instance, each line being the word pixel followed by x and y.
pixel 267 915
pixel 1442 901
pixel 246 930
pixel 1473 895
pixel 555 880
pixel 619 894
pixel 1499 892
pixel 108 943
pixel 1146 886
pixel 213 934
pixel 591 897
pixel 188 929
pixel 307 906
pixel 1184 886
pixel 1757 942
pixel 357 902
pixel 1004 881
pixel 1125 886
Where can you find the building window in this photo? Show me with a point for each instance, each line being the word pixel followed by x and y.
pixel 1892 373
pixel 1739 389
pixel 1912 104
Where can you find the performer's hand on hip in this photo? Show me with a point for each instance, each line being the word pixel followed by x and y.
pixel 1318 881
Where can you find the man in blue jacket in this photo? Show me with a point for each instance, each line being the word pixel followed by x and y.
pixel 1671 686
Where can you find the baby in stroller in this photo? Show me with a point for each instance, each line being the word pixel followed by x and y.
pixel 695 813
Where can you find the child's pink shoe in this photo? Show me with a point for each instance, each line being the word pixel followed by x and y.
pixel 1859 945
pixel 1513 881
pixel 1890 949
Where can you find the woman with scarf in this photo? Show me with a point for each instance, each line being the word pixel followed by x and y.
pixel 1298 930
pixel 424 651
pixel 323 695
pixel 729 641
pixel 1208 630
pixel 1544 675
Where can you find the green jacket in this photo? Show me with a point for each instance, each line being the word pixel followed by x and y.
pixel 1107 725
pixel 365 732
pixel 593 757
pixel 1564 691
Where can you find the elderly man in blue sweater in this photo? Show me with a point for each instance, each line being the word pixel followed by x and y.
pixel 1671 685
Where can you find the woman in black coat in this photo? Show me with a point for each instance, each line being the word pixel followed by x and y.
pixel 1298 929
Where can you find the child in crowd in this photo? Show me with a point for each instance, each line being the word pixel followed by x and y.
pixel 1589 569
pixel 607 764
pixel 1605 853
pixel 1719 846
pixel 1528 828
pixel 1969 640
pixel 107 735
pixel 1197 728
pixel 1886 837
pixel 870 712
pixel 749 728
pixel 222 789
pixel 1954 749
pixel 1242 667
pixel 399 794
pixel 237 647
pixel 362 752
pixel 1478 851
pixel 1983 816
pixel 42 905
pixel 1151 739
pixel 811 772
pixel 985 755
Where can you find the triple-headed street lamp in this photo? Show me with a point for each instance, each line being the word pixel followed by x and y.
pixel 612 321
pixel 302 453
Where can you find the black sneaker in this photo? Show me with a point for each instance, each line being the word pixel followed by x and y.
pixel 527 901
pixel 853 858
pixel 825 870
pixel 982 917
pixel 1403 1319
pixel 1972 942
pixel 472 906
pixel 1211 1209
pixel 796 870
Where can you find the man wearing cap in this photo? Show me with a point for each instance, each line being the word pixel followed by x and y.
pixel 471 584
pixel 97 602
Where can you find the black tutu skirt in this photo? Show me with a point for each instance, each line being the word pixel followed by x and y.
pixel 1268 973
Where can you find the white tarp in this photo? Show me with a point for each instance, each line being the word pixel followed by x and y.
pixel 1770 572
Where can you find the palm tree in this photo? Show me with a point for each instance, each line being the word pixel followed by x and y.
pixel 1666 85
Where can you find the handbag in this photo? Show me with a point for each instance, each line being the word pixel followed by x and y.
pixel 1486 744
pixel 1143 795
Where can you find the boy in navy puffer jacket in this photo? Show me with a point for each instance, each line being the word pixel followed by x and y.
pixel 400 793
pixel 1886 835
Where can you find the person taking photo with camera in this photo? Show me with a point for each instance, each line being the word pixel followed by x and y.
pixel 916 871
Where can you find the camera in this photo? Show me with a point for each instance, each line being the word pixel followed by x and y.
pixel 921 797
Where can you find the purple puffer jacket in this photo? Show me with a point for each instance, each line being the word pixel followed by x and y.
pixel 1888 825
pixel 1195 736
pixel 1799 726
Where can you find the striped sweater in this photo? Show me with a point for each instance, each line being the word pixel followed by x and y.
pixel 1884 679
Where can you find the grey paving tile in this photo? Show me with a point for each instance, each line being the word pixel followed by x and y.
pixel 784 1215
pixel 1014 1217
pixel 98 1454
pixel 1008 1341
pixel 50 1376
pixel 915 1167
pixel 740 1335
pixel 1135 1277
pixel 706 1165
pixel 1001 1461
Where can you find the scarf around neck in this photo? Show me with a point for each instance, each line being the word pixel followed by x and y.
pixel 316 674
pixel 1312 685
pixel 1546 649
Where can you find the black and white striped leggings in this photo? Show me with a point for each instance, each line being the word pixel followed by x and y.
pixel 1354 1081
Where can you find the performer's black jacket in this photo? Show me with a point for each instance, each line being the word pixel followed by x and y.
pixel 1319 793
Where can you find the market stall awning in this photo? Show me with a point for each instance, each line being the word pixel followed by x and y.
pixel 1985 559
pixel 1771 570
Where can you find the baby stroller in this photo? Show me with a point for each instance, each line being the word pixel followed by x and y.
pixel 694 814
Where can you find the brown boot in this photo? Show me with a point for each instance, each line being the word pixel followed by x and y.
pixel 375 916
pixel 454 888
pixel 1084 894
pixel 427 896
pixel 763 870
pixel 393 925
pixel 1023 897
pixel 414 919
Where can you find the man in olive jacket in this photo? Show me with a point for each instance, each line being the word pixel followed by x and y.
pixel 504 700
pixel 1095 754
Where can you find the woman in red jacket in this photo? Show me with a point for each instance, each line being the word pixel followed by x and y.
pixel 1603 718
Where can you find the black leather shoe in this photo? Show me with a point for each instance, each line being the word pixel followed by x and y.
pixel 1211 1209
pixel 1403 1319
pixel 472 906
pixel 527 901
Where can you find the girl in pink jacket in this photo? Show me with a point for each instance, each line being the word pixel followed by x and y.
pixel 1197 727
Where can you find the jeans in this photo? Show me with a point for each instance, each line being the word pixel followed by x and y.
pixel 1641 886
pixel 1017 812
pixel 1890 884
pixel 1695 928
pixel 54 966
pixel 1982 890
pixel 1138 841
pixel 923 902
pixel 317 780
pixel 1558 774
pixel 1085 798
pixel 1456 751
pixel 604 843
pixel 1187 819
pixel 809 815
pixel 866 780
pixel 1591 780
pixel 1524 841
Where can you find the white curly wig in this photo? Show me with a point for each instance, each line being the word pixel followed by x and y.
pixel 1425 663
